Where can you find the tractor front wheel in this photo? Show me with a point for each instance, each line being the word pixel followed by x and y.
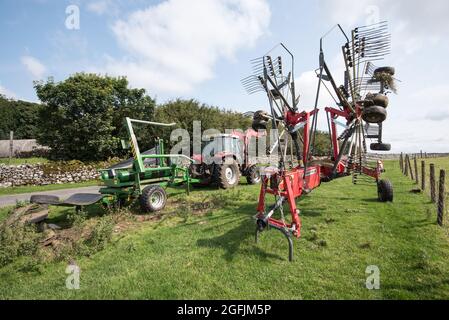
pixel 385 191
pixel 227 175
pixel 153 199
pixel 253 175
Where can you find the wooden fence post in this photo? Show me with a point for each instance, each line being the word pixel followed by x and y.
pixel 421 154
pixel 416 170
pixel 423 175
pixel 401 163
pixel 11 145
pixel 406 165
pixel 410 169
pixel 441 197
pixel 433 195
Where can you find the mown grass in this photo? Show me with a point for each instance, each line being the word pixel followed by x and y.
pixel 213 255
pixel 50 187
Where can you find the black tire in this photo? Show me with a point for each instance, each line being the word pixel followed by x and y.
pixel 274 182
pixel 377 99
pixel 227 176
pixel 253 175
pixel 385 191
pixel 261 116
pixel 153 198
pixel 380 146
pixel 389 70
pixel 381 100
pixel 374 114
pixel 259 125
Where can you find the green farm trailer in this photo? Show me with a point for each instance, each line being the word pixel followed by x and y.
pixel 143 177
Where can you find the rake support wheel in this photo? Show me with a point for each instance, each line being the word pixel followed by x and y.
pixel 385 191
pixel 374 114
pixel 380 146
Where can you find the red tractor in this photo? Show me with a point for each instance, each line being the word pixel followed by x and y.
pixel 225 159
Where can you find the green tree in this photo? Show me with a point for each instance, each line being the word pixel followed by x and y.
pixel 20 117
pixel 82 116
pixel 185 112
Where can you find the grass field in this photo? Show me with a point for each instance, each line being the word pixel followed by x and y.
pixel 214 256
pixel 16 161
pixel 440 164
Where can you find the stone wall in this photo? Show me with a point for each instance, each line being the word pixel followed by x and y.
pixel 41 174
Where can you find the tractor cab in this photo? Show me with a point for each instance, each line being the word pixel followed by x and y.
pixel 222 146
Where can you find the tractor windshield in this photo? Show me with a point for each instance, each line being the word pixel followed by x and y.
pixel 222 144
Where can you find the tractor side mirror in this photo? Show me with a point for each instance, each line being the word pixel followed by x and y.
pixel 125 144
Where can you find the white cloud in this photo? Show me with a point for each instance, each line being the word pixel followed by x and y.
pixel 415 24
pixel 173 46
pixel 34 66
pixel 435 98
pixel 7 93
pixel 100 7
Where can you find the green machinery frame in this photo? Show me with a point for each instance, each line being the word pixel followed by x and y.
pixel 126 184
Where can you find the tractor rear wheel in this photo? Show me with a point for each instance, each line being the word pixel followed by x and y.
pixel 153 199
pixel 385 191
pixel 253 175
pixel 227 175
pixel 374 114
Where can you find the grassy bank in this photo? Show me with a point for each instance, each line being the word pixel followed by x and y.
pixel 187 255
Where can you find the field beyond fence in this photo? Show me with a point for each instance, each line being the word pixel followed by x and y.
pixel 430 176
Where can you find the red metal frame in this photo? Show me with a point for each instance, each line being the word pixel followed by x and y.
pixel 294 183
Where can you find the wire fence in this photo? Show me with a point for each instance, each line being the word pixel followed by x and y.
pixel 430 177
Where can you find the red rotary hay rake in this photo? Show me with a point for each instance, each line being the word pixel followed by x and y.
pixel 358 110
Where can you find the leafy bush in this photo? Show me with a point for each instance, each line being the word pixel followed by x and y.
pixel 17 241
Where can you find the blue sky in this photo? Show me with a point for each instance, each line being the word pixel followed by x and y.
pixel 201 49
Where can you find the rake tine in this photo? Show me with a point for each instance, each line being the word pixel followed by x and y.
pixel 252 84
pixel 365 42
pixel 383 37
pixel 257 59
pixel 380 23
pixel 373 35
pixel 383 40
pixel 375 50
pixel 372 32
pixel 377 44
pixel 379 54
pixel 254 91
pixel 249 81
